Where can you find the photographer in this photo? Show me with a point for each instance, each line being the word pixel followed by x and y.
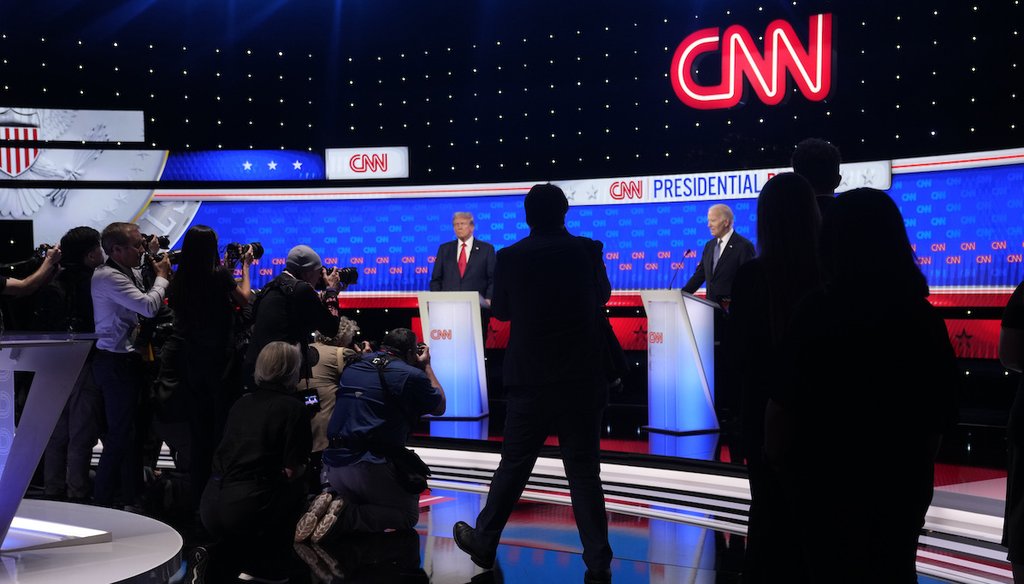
pixel 380 397
pixel 65 305
pixel 204 297
pixel 119 298
pixel 43 274
pixel 288 308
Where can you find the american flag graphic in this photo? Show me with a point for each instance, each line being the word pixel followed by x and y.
pixel 14 160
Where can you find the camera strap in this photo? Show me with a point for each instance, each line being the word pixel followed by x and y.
pixel 127 272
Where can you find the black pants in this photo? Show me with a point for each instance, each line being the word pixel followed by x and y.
pixel 575 412
pixel 120 378
pixel 255 522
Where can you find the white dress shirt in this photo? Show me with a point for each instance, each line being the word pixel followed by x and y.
pixel 117 303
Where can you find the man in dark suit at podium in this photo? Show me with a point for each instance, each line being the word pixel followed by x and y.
pixel 550 286
pixel 466 264
pixel 723 255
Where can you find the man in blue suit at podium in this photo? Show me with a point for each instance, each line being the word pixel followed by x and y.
pixel 466 264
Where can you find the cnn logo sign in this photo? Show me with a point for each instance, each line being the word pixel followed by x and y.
pixel 441 334
pixel 368 163
pixel 810 67
pixel 364 163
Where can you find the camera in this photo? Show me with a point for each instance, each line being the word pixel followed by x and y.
pixel 40 252
pixel 310 399
pixel 420 347
pixel 234 251
pixel 346 277
pixel 163 241
pixel 172 256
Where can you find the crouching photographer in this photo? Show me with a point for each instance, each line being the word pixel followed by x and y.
pixel 377 479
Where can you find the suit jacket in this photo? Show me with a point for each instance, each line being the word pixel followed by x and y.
pixel 550 286
pixel 479 269
pixel 719 284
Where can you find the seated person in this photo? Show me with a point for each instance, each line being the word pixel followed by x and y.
pixel 256 491
pixel 379 399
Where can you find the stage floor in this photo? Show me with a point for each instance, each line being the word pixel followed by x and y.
pixel 539 546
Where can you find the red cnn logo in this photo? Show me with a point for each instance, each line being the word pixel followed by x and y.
pixel 368 162
pixel 655 338
pixel 811 68
pixel 626 189
pixel 441 334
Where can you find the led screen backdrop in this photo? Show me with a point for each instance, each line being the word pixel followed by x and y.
pixel 967 226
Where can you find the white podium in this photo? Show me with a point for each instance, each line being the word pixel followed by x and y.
pixel 56 362
pixel 680 362
pixel 454 333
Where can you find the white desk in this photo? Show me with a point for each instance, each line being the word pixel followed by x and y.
pixel 142 550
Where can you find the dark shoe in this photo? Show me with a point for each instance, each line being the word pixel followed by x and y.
pixel 597 577
pixel 465 538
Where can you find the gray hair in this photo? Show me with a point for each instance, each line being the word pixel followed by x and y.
pixel 722 210
pixel 278 365
pixel 463 215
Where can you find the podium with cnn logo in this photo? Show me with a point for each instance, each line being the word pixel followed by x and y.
pixel 681 363
pixel 453 331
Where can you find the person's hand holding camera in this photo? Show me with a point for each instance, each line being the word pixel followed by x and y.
pixel 247 257
pixel 331 277
pixel 422 355
pixel 52 259
pixel 162 268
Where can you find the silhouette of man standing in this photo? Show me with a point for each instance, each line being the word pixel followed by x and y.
pixel 550 286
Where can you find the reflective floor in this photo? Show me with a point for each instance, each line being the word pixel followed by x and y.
pixel 540 545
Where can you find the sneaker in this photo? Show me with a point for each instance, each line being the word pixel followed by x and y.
pixel 307 523
pixel 328 520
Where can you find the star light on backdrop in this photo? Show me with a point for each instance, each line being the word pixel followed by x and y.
pixel 584 92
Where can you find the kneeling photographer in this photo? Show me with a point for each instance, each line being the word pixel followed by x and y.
pixel 377 480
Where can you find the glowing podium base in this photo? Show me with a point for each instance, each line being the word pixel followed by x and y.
pixel 681 363
pixel 454 333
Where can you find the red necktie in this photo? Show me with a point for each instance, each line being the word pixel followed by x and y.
pixel 462 261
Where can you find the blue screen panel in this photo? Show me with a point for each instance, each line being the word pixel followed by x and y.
pixel 967 227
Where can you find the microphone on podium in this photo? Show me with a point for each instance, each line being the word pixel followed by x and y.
pixel 676 271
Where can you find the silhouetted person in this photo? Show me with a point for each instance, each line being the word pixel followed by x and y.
pixel 871 389
pixel 204 296
pixel 289 309
pixel 764 297
pixel 549 286
pixel 65 305
pixel 818 161
pixel 1011 353
pixel 256 490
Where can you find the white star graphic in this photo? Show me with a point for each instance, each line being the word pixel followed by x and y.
pixel 247 165
pixel 297 165
pixel 272 165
